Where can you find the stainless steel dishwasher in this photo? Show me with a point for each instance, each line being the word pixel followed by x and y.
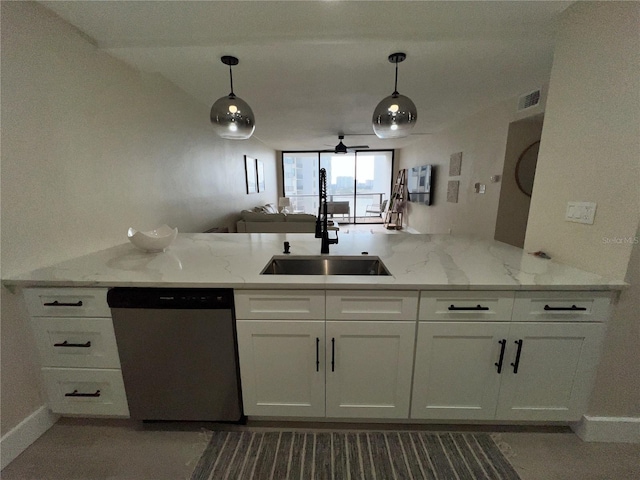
pixel 178 353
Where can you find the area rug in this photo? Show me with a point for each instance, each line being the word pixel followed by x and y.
pixel 344 455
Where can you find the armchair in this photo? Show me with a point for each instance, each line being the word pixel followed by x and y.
pixel 376 209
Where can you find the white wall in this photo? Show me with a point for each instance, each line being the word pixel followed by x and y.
pixel 513 207
pixel 590 151
pixel 90 147
pixel 590 146
pixel 482 139
pixel 617 389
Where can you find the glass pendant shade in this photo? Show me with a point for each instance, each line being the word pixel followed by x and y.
pixel 232 118
pixel 394 117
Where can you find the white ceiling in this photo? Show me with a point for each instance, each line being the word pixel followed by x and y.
pixel 313 69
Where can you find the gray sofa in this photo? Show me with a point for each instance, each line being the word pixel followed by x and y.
pixel 262 221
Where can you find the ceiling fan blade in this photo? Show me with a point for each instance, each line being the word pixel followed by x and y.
pixel 358 146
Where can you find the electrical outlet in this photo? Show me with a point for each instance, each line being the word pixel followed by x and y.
pixel 581 212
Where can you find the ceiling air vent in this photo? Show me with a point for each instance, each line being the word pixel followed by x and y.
pixel 529 100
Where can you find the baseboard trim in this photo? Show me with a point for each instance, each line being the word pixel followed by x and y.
pixel 16 441
pixel 608 429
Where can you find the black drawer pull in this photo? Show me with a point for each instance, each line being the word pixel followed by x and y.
pixel 58 304
pixel 67 344
pixel 515 365
pixel 502 342
pixel 477 307
pixel 333 354
pixel 317 354
pixel 76 394
pixel 572 308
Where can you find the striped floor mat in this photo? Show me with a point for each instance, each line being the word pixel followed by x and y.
pixel 344 456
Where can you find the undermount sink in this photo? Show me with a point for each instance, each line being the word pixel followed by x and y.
pixel 339 265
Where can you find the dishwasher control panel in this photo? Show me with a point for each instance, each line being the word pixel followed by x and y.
pixel 174 298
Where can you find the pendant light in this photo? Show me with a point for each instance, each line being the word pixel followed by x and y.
pixel 396 115
pixel 231 116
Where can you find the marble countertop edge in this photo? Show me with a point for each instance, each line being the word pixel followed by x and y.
pixel 416 262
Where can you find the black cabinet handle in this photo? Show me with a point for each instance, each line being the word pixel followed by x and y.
pixel 502 342
pixel 476 308
pixel 58 304
pixel 67 344
pixel 333 354
pixel 317 354
pixel 515 365
pixel 76 394
pixel 572 308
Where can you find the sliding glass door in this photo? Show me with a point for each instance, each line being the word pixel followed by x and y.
pixel 357 183
pixel 300 180
pixel 340 184
pixel 372 186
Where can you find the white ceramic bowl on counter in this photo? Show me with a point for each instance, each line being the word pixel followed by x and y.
pixel 156 240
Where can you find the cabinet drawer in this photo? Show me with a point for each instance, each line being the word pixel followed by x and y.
pixel 279 304
pixel 76 342
pixel 467 306
pixel 84 391
pixel 67 302
pixel 565 306
pixel 372 305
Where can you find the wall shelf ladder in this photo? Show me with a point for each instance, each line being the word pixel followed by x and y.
pixel 394 216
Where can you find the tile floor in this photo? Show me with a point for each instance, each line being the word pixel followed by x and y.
pixel 125 450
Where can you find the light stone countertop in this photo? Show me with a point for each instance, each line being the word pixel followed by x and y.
pixel 416 262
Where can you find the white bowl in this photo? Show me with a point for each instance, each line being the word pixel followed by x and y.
pixel 155 240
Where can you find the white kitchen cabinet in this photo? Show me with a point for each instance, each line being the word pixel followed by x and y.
pixel 76 342
pixel 368 368
pixel 456 376
pixel 86 391
pixel 546 366
pixel 475 306
pixel 372 305
pixel 456 373
pixel 79 358
pixel 280 304
pixel 67 302
pixel 555 370
pixel 282 367
pixel 562 306
pixel 333 367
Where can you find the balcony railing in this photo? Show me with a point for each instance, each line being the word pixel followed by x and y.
pixel 308 203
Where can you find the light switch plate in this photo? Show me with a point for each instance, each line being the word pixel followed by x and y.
pixel 581 212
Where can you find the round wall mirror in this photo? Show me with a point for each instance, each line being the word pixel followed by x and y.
pixel 526 168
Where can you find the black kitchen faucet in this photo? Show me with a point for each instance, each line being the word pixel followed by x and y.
pixel 321 222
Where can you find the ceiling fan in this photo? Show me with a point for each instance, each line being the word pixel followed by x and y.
pixel 342 148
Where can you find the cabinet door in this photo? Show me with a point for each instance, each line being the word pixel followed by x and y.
pixel 282 367
pixel 369 368
pixel 554 372
pixel 456 376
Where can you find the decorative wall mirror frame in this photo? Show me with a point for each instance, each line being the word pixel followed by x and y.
pixel 526 168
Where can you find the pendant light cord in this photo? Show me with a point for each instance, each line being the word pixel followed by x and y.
pixel 395 88
pixel 231 80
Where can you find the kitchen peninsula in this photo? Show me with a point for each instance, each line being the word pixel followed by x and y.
pixel 462 330
pixel 446 262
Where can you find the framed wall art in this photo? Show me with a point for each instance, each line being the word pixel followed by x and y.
pixel 251 174
pixel 260 170
pixel 455 164
pixel 452 191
